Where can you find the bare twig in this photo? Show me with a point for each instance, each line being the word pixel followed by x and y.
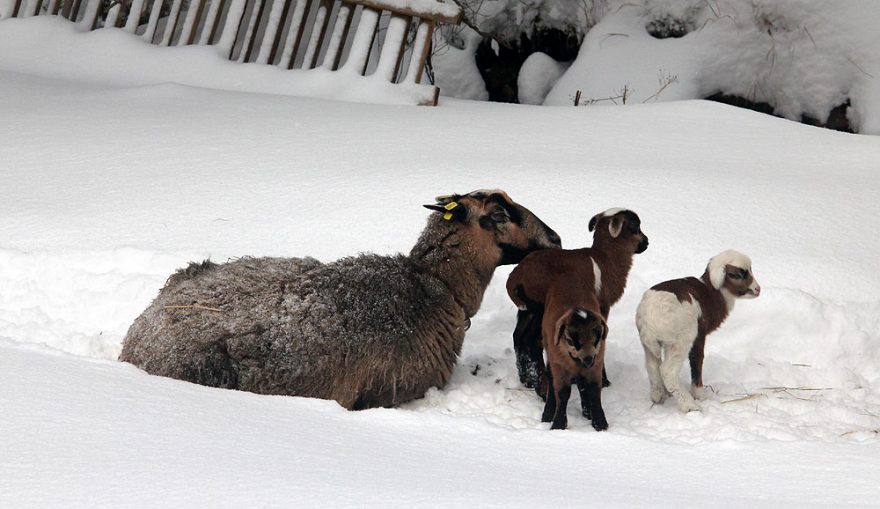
pixel 606 36
pixel 745 398
pixel 783 388
pixel 859 67
pixel 664 82
pixel 811 37
pixel 874 431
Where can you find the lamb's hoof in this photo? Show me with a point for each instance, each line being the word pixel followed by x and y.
pixel 690 406
pixel 600 424
pixel 658 396
pixel 559 425
pixel 699 392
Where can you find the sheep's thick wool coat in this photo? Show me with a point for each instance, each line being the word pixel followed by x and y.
pixel 365 331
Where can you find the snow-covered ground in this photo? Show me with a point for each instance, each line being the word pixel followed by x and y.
pixel 110 182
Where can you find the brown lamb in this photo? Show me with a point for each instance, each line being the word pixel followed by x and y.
pixel 574 335
pixel 602 269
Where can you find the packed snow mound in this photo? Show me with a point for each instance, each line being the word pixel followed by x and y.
pixel 455 70
pixel 537 76
pixel 803 58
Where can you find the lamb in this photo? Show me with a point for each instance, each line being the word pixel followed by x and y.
pixel 574 335
pixel 674 318
pixel 602 269
pixel 365 331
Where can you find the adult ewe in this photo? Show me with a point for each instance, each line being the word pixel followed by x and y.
pixel 366 331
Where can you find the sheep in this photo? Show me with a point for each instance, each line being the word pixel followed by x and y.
pixel 574 335
pixel 674 318
pixel 603 268
pixel 366 331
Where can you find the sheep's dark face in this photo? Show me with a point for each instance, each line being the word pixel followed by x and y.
pixel 515 229
pixel 621 224
pixel 581 336
pixel 499 224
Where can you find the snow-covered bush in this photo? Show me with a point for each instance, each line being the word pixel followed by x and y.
pixel 803 59
pixel 806 60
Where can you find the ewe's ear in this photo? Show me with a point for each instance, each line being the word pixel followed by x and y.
pixel 615 226
pixel 452 210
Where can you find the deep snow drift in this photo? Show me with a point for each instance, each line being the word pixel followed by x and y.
pixel 107 189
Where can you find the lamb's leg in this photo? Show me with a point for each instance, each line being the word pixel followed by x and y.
pixel 604 310
pixel 670 367
pixel 562 388
pixel 528 348
pixel 549 398
pixel 593 391
pixel 583 390
pixel 696 359
pixel 652 364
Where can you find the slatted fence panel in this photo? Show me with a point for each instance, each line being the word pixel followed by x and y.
pixel 383 38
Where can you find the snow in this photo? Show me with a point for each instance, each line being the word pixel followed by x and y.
pixel 537 76
pixel 455 70
pixel 112 57
pixel 112 177
pixel 803 58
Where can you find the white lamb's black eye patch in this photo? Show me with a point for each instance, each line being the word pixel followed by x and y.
pixel 738 274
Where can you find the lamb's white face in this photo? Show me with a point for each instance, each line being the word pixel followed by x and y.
pixel 732 271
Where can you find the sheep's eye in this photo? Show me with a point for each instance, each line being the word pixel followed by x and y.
pixel 499 216
pixel 734 275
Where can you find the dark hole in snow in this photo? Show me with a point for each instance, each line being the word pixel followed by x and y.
pixel 500 69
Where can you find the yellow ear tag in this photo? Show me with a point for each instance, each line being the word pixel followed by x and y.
pixel 447 216
pixel 451 205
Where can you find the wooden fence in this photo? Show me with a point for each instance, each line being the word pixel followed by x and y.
pixel 389 39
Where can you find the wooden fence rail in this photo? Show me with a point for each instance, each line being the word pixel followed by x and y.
pixel 390 39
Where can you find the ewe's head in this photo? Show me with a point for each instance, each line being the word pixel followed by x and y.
pixel 579 334
pixel 620 225
pixel 732 271
pixel 505 229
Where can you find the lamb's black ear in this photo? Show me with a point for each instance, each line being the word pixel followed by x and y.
pixel 593 222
